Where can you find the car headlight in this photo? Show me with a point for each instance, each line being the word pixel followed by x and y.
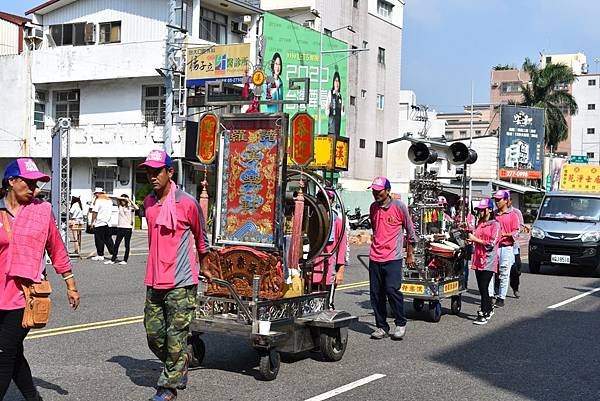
pixel 538 233
pixel 592 236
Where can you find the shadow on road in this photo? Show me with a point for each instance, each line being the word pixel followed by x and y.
pixel 14 394
pixel 552 357
pixel 141 372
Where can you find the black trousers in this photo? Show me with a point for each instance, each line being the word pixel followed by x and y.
pixel 483 281
pixel 515 273
pixel 385 279
pixel 122 233
pixel 102 237
pixel 13 365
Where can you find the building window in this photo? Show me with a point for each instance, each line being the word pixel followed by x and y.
pixel 213 26
pixel 378 149
pixel 380 101
pixel 363 93
pixel 110 32
pixel 68 34
pixel 327 32
pixel 381 56
pixel 548 60
pixel 153 100
pixel 66 104
pixel 384 8
pixel 477 132
pixel 462 134
pixel 590 155
pixel 449 134
pixel 355 4
pixel 591 130
pixel 591 82
pixel 39 111
pixel 352 100
pixel 510 87
pixel 362 143
pixel 105 177
pixel 591 106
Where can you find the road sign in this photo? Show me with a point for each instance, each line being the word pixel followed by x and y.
pixel 578 159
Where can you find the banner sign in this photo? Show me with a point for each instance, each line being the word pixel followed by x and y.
pixel 208 128
pixel 342 151
pixel 227 63
pixel 323 152
pixel 249 194
pixel 521 142
pixel 294 51
pixel 580 178
pixel 301 139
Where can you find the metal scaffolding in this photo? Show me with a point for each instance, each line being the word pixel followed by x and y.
pixel 61 171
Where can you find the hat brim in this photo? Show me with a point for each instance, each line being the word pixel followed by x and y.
pixel 152 164
pixel 376 187
pixel 35 175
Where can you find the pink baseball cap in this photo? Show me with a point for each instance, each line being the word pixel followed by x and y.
pixel 502 194
pixel 485 204
pixel 25 168
pixel 157 159
pixel 330 193
pixel 380 183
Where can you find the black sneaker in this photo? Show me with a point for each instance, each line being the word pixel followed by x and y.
pixel 516 294
pixel 499 303
pixel 481 319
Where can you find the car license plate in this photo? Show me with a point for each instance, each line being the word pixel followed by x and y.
pixel 565 259
pixel 451 286
pixel 408 288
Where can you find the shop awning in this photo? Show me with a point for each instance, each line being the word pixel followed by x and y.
pixel 515 187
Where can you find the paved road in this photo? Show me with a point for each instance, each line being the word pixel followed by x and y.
pixel 527 352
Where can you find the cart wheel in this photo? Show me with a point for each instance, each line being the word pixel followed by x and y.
pixel 269 364
pixel 455 304
pixel 333 344
pixel 418 304
pixel 435 311
pixel 196 350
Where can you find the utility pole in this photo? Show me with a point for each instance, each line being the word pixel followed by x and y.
pixel 169 77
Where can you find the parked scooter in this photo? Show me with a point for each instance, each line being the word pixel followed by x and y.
pixel 357 220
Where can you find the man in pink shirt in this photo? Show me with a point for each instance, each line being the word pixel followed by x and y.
pixel 509 233
pixel 177 240
pixel 389 219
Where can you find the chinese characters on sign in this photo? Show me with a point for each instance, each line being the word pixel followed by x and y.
pixel 301 149
pixel 228 63
pixel 580 178
pixel 206 149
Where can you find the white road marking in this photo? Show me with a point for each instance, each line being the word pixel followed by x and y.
pixel 575 298
pixel 346 387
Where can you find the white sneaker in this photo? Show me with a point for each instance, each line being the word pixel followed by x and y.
pixel 98 258
pixel 109 262
pixel 122 262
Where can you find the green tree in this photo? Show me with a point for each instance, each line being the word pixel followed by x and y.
pixel 544 91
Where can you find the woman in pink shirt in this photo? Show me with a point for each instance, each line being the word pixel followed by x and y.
pixel 485 255
pixel 27 230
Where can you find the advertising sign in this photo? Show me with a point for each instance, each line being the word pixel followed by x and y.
pixel 301 139
pixel 580 178
pixel 208 128
pixel 227 63
pixel 248 197
pixel 521 142
pixel 294 51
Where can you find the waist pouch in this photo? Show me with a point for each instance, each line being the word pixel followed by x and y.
pixel 37 305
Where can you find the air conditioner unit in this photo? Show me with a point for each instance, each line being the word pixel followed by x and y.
pixel 239 27
pixel 309 23
pixel 34 33
pixel 584 68
pixel 41 96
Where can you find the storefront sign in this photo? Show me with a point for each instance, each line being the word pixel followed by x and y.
pixel 227 63
pixel 301 139
pixel 580 178
pixel 206 147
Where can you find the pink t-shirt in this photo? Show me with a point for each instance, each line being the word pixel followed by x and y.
pixel 509 224
pixel 388 224
pixel 485 257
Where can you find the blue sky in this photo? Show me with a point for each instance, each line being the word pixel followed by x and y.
pixel 447 44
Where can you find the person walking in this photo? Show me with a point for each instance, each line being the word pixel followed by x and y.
pixel 515 271
pixel 28 230
pixel 509 234
pixel 101 214
pixel 484 260
pixel 76 222
pixel 389 219
pixel 175 228
pixel 124 229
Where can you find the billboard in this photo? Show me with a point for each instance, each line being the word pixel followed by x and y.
pixel 294 51
pixel 227 63
pixel 521 142
pixel 580 178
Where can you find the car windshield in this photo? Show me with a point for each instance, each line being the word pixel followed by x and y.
pixel 570 208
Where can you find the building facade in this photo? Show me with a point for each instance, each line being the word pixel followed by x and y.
pixel 585 125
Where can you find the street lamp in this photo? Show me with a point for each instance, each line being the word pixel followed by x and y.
pixel 321 31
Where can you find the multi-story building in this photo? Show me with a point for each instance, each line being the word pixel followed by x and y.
pixel 459 124
pixel 101 64
pixel 585 125
pixel 374 76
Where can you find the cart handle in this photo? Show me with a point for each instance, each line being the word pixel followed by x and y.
pixel 236 297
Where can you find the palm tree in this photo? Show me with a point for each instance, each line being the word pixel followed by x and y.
pixel 544 91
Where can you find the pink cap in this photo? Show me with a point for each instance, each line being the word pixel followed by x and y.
pixel 380 183
pixel 485 204
pixel 26 168
pixel 442 200
pixel 157 159
pixel 330 193
pixel 502 194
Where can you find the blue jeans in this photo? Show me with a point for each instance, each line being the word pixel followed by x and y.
pixel 506 258
pixel 384 284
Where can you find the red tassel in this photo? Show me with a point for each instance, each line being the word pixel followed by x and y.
pixel 246 90
pixel 295 243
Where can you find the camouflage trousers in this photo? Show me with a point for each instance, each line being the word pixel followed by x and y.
pixel 167 317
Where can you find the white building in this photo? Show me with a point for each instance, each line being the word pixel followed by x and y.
pixel 374 77
pixel 577 61
pixel 98 63
pixel 585 125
